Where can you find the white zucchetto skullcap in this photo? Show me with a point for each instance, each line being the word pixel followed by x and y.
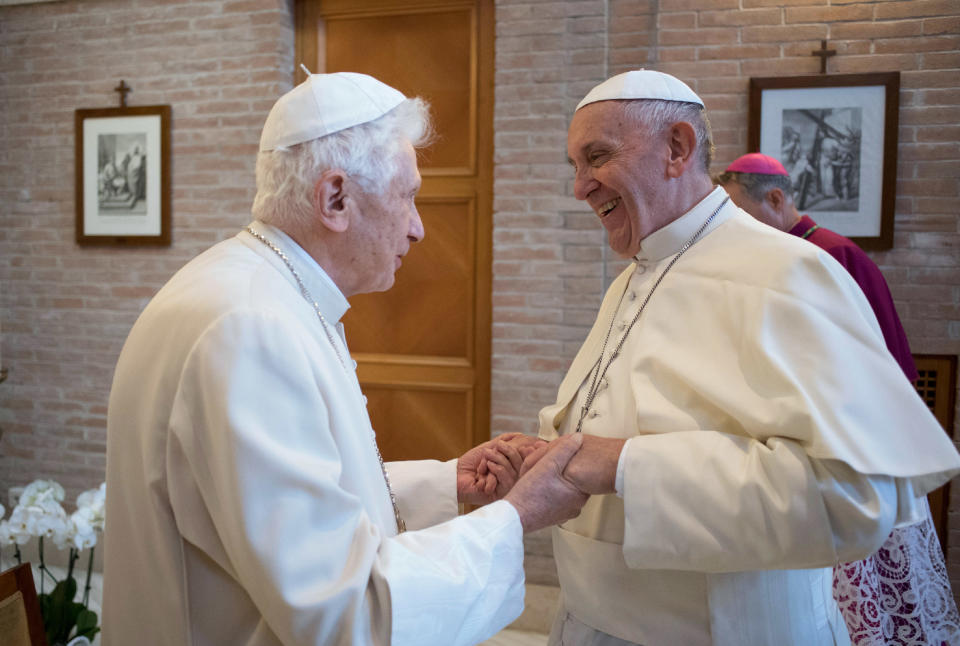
pixel 324 104
pixel 641 84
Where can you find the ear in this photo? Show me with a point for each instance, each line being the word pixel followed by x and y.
pixel 682 142
pixel 331 200
pixel 776 199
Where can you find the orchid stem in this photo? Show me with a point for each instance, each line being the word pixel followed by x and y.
pixel 86 587
pixel 44 570
pixel 42 567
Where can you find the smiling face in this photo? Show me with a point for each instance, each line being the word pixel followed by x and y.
pixel 383 226
pixel 620 172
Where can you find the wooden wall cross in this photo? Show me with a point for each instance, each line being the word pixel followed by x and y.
pixel 823 53
pixel 123 89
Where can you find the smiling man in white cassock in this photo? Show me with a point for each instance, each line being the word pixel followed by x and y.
pixel 248 502
pixel 743 422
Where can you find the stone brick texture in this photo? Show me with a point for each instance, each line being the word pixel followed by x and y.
pixel 65 309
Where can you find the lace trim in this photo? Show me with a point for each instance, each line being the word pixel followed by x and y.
pixel 901 594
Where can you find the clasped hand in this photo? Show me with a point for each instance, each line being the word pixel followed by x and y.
pixel 526 472
pixel 548 482
pixel 487 472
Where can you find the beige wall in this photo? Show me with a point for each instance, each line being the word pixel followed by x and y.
pixel 65 310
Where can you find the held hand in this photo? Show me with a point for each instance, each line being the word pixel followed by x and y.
pixel 543 497
pixel 525 444
pixel 534 456
pixel 487 472
pixel 593 469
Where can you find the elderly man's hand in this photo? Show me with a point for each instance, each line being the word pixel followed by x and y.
pixel 488 471
pixel 593 469
pixel 524 444
pixel 543 496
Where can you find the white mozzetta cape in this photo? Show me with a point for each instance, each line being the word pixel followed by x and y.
pixel 247 504
pixel 773 436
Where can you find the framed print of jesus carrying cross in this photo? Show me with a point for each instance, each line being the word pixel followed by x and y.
pixel 837 137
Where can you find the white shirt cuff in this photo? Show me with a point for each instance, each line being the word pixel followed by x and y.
pixel 621 467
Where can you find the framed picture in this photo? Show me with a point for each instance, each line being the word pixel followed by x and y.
pixel 123 175
pixel 837 137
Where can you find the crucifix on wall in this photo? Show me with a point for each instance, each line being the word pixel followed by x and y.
pixel 123 89
pixel 823 53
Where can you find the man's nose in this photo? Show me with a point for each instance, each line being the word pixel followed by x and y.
pixel 416 231
pixel 583 184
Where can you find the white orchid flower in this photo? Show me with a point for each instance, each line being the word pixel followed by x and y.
pixel 94 500
pixel 6 534
pixel 40 490
pixel 83 528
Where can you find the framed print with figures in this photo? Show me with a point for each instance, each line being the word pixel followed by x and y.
pixel 123 175
pixel 837 137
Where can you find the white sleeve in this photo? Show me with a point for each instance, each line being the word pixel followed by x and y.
pixel 713 502
pixel 426 491
pixel 264 499
pixel 458 582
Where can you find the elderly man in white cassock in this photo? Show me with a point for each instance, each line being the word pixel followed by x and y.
pixel 743 423
pixel 248 501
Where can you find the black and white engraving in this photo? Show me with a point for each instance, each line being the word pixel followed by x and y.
pixel 121 173
pixel 821 149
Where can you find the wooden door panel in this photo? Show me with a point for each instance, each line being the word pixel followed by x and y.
pixel 436 281
pixel 427 54
pixel 423 347
pixel 438 421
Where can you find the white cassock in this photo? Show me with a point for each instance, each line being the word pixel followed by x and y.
pixel 773 436
pixel 246 501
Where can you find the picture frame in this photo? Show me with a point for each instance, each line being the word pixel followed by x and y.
pixel 123 175
pixel 837 137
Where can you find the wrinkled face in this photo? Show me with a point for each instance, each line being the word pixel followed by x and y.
pixel 385 225
pixel 620 172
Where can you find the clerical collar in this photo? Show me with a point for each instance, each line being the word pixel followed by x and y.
pixel 804 227
pixel 333 304
pixel 667 241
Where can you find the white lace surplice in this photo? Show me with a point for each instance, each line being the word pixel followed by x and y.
pixel 900 594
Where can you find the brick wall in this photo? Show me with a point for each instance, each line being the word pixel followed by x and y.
pixel 66 310
pixel 551 264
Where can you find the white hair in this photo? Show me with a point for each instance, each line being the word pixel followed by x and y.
pixel 656 114
pixel 366 152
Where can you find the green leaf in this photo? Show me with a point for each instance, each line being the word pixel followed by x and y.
pixel 44 600
pixel 61 614
pixel 70 614
pixel 62 611
pixel 86 620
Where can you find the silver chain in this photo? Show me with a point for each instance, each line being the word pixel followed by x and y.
pixel 595 370
pixel 401 526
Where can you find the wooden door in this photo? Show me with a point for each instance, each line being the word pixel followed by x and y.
pixel 423 348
